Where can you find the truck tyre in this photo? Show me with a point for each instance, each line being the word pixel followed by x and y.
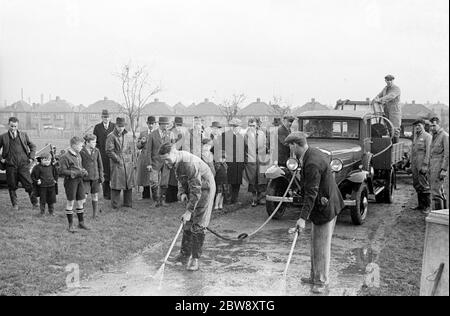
pixel 276 187
pixel 359 212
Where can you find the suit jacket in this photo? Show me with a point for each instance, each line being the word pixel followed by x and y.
pixel 154 142
pixel 28 146
pixel 92 163
pixel 102 134
pixel 142 174
pixel 284 152
pixel 322 200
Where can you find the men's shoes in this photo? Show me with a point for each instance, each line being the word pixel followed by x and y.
pixel 181 258
pixel 15 207
pixel 320 289
pixel 192 265
pixel 308 281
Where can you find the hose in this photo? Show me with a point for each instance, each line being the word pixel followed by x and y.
pixel 244 235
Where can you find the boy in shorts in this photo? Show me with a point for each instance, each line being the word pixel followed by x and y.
pixel 72 169
pixel 91 160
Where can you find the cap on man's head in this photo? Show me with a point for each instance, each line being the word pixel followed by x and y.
pixel 419 121
pixel 178 120
pixel 216 124
pixel 120 122
pixel 151 120
pixel 290 118
pixel 105 113
pixel 276 120
pixel 298 138
pixel 389 77
pixel 163 120
pixel 435 120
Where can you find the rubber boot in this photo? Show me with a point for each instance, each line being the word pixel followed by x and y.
pixel 94 208
pixel 419 206
pixel 426 202
pixel 81 224
pixel 13 198
pixel 146 192
pixel 70 220
pixel 186 248
pixel 42 207
pixel 198 239
pixel 51 209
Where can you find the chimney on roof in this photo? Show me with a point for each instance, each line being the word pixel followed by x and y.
pixel 57 98
pixel 258 100
pixel 367 99
pixel 206 100
pixel 105 98
pixel 313 100
pixel 413 101
pixel 42 98
pixel 156 100
pixel 21 93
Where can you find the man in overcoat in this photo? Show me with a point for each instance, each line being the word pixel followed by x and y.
pixel 121 153
pixel 143 174
pixel 102 130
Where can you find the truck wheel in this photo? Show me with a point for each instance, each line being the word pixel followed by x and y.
pixel 276 187
pixel 359 212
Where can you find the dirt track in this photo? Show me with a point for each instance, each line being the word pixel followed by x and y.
pixel 255 267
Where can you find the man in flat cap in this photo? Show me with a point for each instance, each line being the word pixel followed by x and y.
pixel 159 173
pixel 283 131
pixel 143 175
pixel 438 165
pixel 420 163
pixel 389 98
pixel 102 130
pixel 120 151
pixel 322 203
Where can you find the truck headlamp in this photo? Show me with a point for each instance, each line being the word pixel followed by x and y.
pixel 336 165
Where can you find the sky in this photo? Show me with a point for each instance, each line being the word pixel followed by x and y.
pixel 197 49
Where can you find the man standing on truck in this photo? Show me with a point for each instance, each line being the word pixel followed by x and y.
pixel 322 203
pixel 438 164
pixel 420 162
pixel 389 98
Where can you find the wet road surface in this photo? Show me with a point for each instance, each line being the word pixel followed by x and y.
pixel 255 266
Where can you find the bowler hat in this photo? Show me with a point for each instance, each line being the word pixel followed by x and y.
pixel 163 120
pixel 178 120
pixel 120 122
pixel 216 124
pixel 151 120
pixel 389 77
pixel 105 113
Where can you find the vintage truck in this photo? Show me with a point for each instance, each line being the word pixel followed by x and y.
pixel 356 138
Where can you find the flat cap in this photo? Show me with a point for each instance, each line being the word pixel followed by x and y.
pixel 296 138
pixel 44 155
pixel 389 77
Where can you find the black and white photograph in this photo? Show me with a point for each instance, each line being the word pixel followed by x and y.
pixel 224 155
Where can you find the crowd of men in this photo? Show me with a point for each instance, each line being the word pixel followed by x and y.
pixel 204 167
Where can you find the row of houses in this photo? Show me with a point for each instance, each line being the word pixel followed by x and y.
pixel 61 114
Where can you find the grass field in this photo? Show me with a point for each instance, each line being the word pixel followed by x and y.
pixel 36 250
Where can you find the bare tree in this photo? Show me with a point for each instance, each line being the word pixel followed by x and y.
pixel 230 106
pixel 279 107
pixel 137 90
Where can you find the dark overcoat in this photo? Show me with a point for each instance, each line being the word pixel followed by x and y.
pixel 102 134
